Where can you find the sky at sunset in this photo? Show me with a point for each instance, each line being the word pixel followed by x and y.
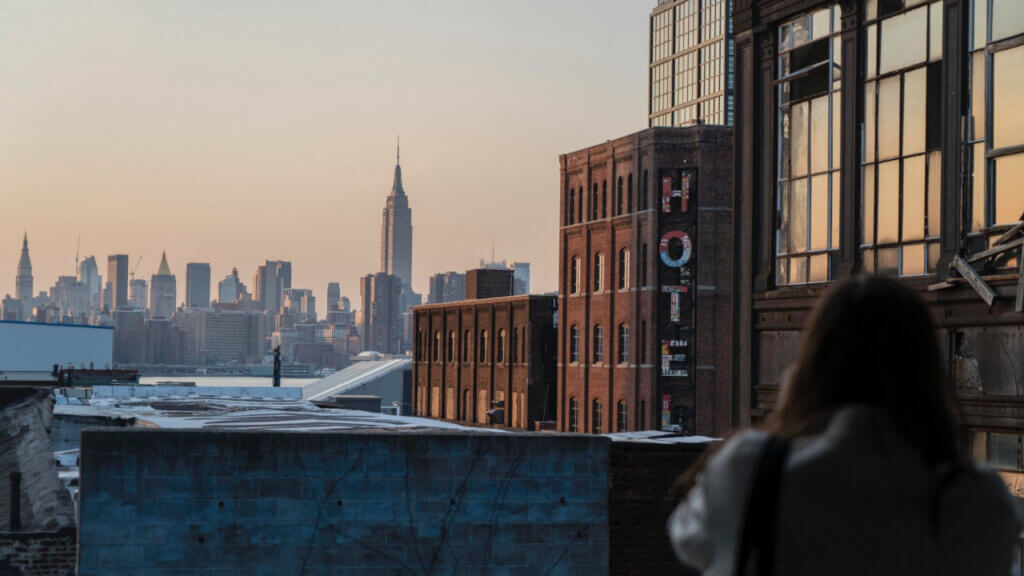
pixel 236 132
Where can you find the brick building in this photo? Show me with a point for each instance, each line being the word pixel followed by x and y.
pixel 486 353
pixel 915 106
pixel 645 283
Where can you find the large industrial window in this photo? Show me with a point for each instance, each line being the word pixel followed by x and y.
pixel 571 207
pixel 465 346
pixel 996 126
pixel 622 419
pixel 437 346
pixel 593 203
pixel 574 345
pixel 598 356
pixel 629 194
pixel 902 151
pixel 1001 450
pixel 499 347
pixel 619 198
pixel 623 269
pixel 574 415
pixel 580 211
pixel 598 416
pixel 574 276
pixel 807 158
pixel 623 343
pixel 451 346
pixel 483 347
pixel 604 199
pixel 598 272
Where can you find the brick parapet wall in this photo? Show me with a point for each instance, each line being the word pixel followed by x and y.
pixel 38 553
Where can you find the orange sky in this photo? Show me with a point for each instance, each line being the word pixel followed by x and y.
pixel 235 132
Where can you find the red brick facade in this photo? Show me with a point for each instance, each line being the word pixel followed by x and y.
pixel 638 327
pixel 469 354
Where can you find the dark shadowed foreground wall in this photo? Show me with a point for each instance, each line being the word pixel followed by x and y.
pixel 196 502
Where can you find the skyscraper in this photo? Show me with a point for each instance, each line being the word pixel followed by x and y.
pixel 89 274
pixel 23 282
pixel 138 292
pixel 690 78
pixel 197 285
pixel 271 280
pixel 520 278
pixel 382 318
pixel 447 287
pixel 117 276
pixel 333 295
pixel 396 232
pixel 163 291
pixel 231 288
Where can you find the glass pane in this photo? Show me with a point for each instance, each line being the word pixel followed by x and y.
pixel 783 247
pixel 913 260
pixel 868 180
pixel 868 261
pixel 933 257
pixel 799 148
pixel 798 270
pixel 798 217
pixel 1009 195
pixel 819 212
pixel 915 99
pixel 872 51
pixel 934 194
pixel 888 202
pixel 820 23
pixel 978 94
pixel 1007 94
pixel 978 195
pixel 1007 18
pixel 1003 450
pixel 781 272
pixel 819 268
pixel 904 40
pixel 837 114
pixel 785 146
pixel 888 261
pixel 871 9
pixel 980 24
pixel 869 122
pixel 935 32
pixel 889 118
pixel 913 199
pixel 834 200
pixel 819 134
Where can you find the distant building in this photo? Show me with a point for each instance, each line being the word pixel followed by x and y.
pixel 163 291
pixel 220 336
pixel 129 336
pixel 333 295
pixel 301 303
pixel 520 278
pixel 690 76
pixel 231 288
pixel 381 318
pixel 197 285
pixel 138 293
pixel 447 287
pixel 117 278
pixel 89 274
pixel 396 232
pixel 24 281
pixel 489 360
pixel 165 342
pixel 72 298
pixel 11 309
pixel 271 280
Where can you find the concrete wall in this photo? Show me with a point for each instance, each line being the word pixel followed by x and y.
pixel 163 502
pixel 37 347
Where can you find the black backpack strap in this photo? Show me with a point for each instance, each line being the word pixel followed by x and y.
pixel 759 524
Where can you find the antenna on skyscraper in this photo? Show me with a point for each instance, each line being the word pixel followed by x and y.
pixel 78 246
pixel 398 149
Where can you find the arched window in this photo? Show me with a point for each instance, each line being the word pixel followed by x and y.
pixel 624 269
pixel 574 276
pixel 604 199
pixel 574 415
pixel 598 344
pixel 629 194
pixel 574 345
pixel 437 345
pixel 623 343
pixel 499 349
pixel 645 193
pixel 593 203
pixel 483 347
pixel 580 212
pixel 570 208
pixel 451 346
pixel 622 417
pixel 465 346
pixel 598 272
pixel 618 198
pixel 598 413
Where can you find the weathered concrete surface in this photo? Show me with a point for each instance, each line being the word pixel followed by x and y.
pixel 193 502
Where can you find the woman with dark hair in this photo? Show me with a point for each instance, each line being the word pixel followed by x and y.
pixel 858 471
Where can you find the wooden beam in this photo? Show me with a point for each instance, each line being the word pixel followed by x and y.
pixel 941 285
pixel 996 250
pixel 1019 306
pixel 975 280
pixel 1017 229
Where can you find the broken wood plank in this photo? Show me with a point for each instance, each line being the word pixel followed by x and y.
pixel 1017 229
pixel 975 280
pixel 941 285
pixel 1019 306
pixel 995 250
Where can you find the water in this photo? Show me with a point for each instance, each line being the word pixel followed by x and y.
pixel 226 380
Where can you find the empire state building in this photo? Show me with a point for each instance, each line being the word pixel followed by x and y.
pixel 396 233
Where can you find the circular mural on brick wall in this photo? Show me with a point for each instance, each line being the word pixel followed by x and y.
pixel 682 248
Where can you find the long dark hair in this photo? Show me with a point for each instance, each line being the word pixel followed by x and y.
pixel 871 341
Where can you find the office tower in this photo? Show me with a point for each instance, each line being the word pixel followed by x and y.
pixel 333 295
pixel 447 287
pixel 381 315
pixel 117 276
pixel 197 285
pixel 165 343
pixel 138 293
pixel 129 336
pixel 271 280
pixel 300 303
pixel 23 281
pixel 629 353
pixel 89 274
pixel 163 291
pixel 396 233
pixel 231 288
pixel 520 278
pixel 220 336
pixel 72 298
pixel 690 77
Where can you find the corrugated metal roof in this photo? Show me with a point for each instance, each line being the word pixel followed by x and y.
pixel 359 373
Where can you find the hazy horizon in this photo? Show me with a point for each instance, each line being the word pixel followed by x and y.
pixel 241 132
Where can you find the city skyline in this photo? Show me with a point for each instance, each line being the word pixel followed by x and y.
pixel 266 151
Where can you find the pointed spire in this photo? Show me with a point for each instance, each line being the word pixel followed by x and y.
pixel 24 241
pixel 398 149
pixel 25 263
pixel 396 188
pixel 164 269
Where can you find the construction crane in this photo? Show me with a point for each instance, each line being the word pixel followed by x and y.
pixel 134 268
pixel 78 247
